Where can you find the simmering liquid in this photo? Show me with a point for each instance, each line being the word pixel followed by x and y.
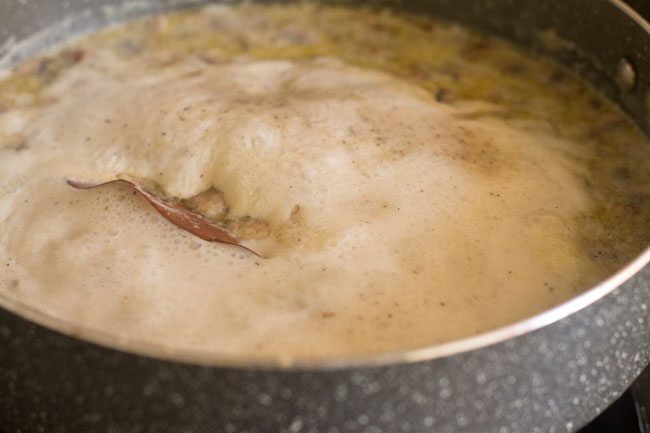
pixel 406 182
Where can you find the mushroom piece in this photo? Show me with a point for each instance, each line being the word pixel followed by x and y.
pixel 211 204
pixel 248 228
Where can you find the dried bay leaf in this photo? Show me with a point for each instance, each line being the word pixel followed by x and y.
pixel 175 213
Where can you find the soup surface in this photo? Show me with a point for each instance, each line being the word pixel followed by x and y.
pixel 406 182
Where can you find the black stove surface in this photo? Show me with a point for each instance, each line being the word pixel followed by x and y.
pixel 621 417
pixel 629 414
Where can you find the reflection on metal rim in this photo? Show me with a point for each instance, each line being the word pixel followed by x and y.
pixel 408 356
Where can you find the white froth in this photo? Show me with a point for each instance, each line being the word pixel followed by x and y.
pixel 416 225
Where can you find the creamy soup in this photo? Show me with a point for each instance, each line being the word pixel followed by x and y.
pixel 404 182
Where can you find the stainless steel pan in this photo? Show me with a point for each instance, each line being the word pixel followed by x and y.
pixel 550 373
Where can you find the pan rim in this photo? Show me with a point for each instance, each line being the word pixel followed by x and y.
pixel 420 354
pixel 408 356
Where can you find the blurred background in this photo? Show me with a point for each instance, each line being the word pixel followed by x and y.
pixel 643 6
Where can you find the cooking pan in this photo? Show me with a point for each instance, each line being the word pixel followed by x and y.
pixel 550 373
